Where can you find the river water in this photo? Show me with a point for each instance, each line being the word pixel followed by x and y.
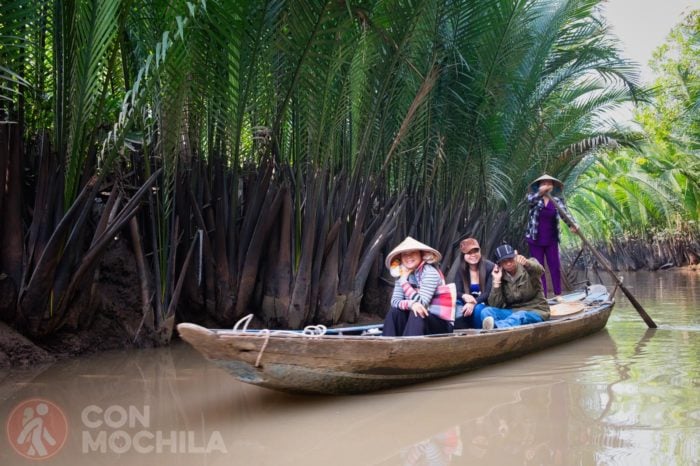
pixel 626 395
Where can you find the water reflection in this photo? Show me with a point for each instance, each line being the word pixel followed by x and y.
pixel 626 394
pixel 530 416
pixel 437 450
pixel 521 433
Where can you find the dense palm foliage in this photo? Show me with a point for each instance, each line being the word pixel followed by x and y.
pixel 646 202
pixel 262 155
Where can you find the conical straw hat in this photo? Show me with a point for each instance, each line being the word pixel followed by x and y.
pixel 410 244
pixel 558 185
pixel 566 308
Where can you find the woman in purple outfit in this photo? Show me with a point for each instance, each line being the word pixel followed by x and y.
pixel 543 226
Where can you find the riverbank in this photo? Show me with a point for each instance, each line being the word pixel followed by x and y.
pixel 628 254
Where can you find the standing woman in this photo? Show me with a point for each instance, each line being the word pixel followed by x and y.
pixel 473 284
pixel 542 232
pixel 418 280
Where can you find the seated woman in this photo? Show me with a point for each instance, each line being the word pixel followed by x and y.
pixel 517 297
pixel 473 284
pixel 414 289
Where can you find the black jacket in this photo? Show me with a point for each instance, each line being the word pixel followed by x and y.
pixel 485 289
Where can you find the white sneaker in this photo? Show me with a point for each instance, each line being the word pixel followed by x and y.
pixel 488 323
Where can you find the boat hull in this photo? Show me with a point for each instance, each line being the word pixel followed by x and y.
pixel 339 364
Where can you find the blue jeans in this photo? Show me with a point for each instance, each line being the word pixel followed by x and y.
pixel 507 317
pixel 472 321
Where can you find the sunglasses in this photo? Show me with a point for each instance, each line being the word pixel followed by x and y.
pixel 471 252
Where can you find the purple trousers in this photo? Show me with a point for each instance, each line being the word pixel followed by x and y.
pixel 551 253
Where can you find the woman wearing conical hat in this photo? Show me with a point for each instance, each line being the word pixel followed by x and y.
pixel 414 265
pixel 542 232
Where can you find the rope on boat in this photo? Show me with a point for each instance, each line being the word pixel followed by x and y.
pixel 245 320
pixel 312 331
pixel 264 345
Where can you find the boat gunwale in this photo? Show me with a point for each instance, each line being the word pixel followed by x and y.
pixel 256 334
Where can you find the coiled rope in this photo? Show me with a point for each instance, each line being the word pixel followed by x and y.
pixel 310 331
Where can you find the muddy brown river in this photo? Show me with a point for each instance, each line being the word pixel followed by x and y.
pixel 626 395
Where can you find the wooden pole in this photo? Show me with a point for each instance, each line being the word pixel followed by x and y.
pixel 650 323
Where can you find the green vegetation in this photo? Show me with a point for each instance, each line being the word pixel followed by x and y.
pixel 651 194
pixel 262 155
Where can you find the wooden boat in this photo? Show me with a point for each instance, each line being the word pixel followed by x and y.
pixel 335 361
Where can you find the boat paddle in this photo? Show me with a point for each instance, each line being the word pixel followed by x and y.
pixel 650 323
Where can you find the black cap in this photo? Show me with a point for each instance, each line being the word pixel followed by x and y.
pixel 503 252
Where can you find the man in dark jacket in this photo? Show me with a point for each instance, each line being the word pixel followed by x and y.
pixel 517 297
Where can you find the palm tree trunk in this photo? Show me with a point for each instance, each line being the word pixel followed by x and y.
pixel 266 217
pixel 49 190
pixel 35 301
pixel 146 307
pixel 12 245
pixel 278 276
pixel 224 298
pixel 300 309
pixel 330 305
